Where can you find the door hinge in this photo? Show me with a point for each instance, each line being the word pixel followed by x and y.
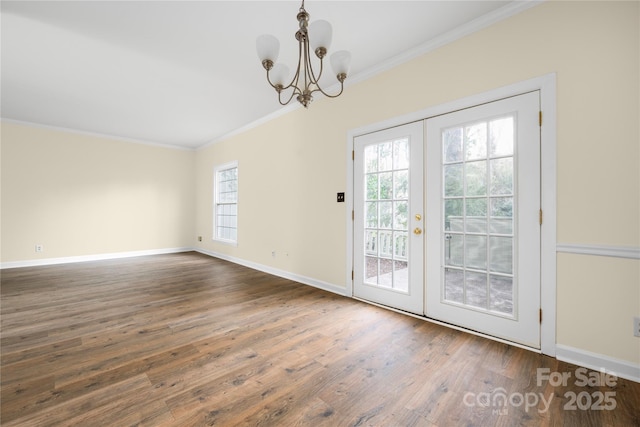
pixel 540 315
pixel 540 118
pixel 353 215
pixel 352 274
pixel 353 155
pixel 540 216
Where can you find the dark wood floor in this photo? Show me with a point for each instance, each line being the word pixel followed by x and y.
pixel 189 340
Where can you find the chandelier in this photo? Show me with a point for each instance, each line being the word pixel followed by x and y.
pixel 315 37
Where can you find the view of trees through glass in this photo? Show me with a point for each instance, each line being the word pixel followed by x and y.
pixel 478 230
pixel 386 210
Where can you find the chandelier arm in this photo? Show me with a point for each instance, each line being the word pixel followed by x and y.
pixel 313 78
pixel 319 89
pixel 316 80
pixel 328 95
pixel 293 92
pixel 296 76
pixel 308 71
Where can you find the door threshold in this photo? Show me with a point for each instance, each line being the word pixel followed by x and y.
pixel 451 326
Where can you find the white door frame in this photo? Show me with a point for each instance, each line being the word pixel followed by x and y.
pixel 547 86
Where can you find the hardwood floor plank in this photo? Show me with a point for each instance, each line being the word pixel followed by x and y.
pixel 189 340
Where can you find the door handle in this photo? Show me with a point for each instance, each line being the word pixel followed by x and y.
pixel 418 231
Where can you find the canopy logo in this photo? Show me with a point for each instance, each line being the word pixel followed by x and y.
pixel 500 401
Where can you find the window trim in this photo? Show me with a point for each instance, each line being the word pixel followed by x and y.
pixel 216 186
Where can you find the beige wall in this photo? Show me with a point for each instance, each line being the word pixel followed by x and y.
pixel 291 168
pixel 81 195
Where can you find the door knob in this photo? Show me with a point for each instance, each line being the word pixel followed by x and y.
pixel 418 217
pixel 418 230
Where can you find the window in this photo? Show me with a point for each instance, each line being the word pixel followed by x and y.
pixel 225 217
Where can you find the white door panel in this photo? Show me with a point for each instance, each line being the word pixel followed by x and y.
pixel 388 224
pixel 482 225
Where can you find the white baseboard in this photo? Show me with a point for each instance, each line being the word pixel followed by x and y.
pixel 598 362
pixel 84 258
pixel 276 272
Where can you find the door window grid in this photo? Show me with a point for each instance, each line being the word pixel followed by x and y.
pixel 226 203
pixel 386 214
pixel 478 183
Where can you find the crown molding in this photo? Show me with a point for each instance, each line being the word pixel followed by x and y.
pixel 94 134
pixel 470 27
pixel 464 30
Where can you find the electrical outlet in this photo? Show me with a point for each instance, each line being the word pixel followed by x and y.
pixel 199 238
pixel 636 326
pixel 39 248
pixel 273 254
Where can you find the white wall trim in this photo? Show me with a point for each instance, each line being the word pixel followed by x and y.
pixel 95 134
pixel 471 27
pixel 276 272
pixel 598 362
pixel 85 258
pixel 547 86
pixel 631 252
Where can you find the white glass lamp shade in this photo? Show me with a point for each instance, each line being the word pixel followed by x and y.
pixel 268 47
pixel 279 74
pixel 340 62
pixel 320 33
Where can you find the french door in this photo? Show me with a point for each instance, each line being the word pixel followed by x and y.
pixel 476 264
pixel 388 217
pixel 483 226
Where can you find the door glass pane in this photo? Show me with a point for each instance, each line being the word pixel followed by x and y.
pixel 452 145
pixel 371 159
pixel 478 201
pixel 371 269
pixel 387 214
pixel 501 136
pixel 501 253
pixel 476 141
pixel 400 276
pixel 400 215
pixel 401 154
pixel 502 176
pixel 371 219
pixel 453 214
pixel 476 178
pixel 372 187
pixel 476 289
pixel 475 252
pixel 385 156
pixel 501 293
pixel 454 285
pixel 386 180
pixel 476 215
pixel 453 181
pixel 454 250
pixel 401 184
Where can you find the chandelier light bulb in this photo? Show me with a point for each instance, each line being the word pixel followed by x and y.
pixel 279 74
pixel 268 48
pixel 320 33
pixel 340 62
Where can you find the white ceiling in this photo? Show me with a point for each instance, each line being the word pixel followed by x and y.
pixel 185 73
